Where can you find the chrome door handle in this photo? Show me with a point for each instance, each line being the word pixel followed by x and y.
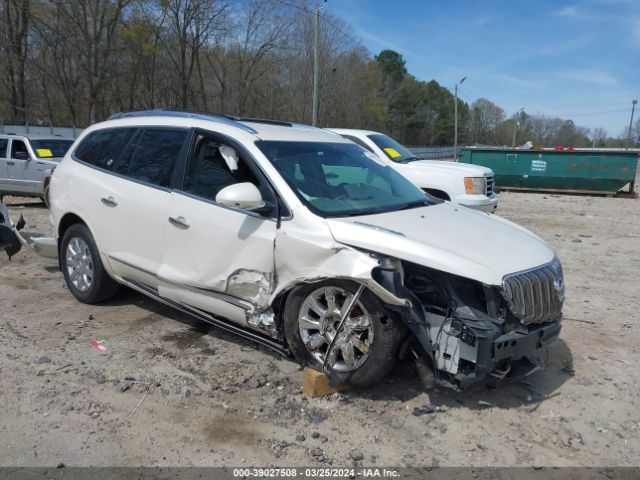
pixel 179 222
pixel 109 201
pixel 11 163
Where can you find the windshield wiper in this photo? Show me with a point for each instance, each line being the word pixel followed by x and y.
pixel 418 203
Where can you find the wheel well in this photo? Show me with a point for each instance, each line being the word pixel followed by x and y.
pixel 66 221
pixel 437 193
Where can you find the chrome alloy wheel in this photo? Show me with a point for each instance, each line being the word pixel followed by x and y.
pixel 318 319
pixel 79 264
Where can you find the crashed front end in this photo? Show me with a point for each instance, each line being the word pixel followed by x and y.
pixel 470 332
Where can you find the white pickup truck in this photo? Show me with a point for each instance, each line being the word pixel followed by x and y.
pixel 468 185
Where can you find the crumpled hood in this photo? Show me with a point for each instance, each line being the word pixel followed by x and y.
pixel 449 238
pixel 460 168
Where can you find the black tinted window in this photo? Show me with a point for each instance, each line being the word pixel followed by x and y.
pixel 3 147
pixel 101 148
pixel 18 147
pixel 151 155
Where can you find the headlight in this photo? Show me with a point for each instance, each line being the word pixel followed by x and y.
pixel 475 185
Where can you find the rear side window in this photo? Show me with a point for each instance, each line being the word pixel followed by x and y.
pixel 3 147
pixel 101 148
pixel 151 155
pixel 148 155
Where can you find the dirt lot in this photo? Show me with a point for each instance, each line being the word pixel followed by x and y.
pixel 206 398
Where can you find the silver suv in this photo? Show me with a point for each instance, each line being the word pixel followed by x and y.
pixel 27 161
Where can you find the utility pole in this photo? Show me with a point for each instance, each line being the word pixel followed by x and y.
pixel 633 107
pixel 455 120
pixel 516 124
pixel 316 64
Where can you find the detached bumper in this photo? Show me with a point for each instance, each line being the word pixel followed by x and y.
pixel 479 202
pixel 512 355
pixel 11 241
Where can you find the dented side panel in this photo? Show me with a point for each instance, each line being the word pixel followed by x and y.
pixel 306 252
pixel 221 251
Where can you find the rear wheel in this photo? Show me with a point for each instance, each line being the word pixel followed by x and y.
pixel 365 348
pixel 82 268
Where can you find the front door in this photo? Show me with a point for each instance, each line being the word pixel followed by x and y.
pixel 19 163
pixel 218 259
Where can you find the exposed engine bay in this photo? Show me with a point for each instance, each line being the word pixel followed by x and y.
pixel 469 331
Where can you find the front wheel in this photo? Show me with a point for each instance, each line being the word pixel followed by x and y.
pixel 83 271
pixel 366 347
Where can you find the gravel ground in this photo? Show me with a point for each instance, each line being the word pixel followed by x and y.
pixel 196 396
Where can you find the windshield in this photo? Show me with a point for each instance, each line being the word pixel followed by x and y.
pixel 341 179
pixel 51 148
pixel 392 149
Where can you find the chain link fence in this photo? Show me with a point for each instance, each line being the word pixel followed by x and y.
pixel 67 132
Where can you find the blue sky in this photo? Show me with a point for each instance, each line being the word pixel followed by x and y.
pixel 569 59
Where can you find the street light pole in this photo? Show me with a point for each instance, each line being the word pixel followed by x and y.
pixel 633 107
pixel 455 120
pixel 516 123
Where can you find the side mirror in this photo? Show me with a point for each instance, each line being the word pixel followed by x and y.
pixel 21 156
pixel 244 196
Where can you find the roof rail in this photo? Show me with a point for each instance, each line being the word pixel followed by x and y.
pixel 263 120
pixel 214 117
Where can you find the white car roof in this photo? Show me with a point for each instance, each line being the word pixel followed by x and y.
pixel 232 126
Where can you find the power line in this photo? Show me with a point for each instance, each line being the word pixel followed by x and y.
pixel 302 9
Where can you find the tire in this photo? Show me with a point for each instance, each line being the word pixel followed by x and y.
pixel 79 254
pixel 380 338
pixel 45 196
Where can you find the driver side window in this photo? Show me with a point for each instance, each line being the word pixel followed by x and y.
pixel 19 149
pixel 208 171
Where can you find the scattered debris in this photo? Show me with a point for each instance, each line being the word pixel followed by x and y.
pixel 14 331
pixel 578 320
pixel 98 344
pixel 300 437
pixel 42 360
pixel 140 402
pixel 100 379
pixel 356 455
pixel 425 410
pixel 67 365
pixel 126 384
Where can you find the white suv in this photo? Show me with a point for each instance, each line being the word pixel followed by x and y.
pixel 305 242
pixel 468 185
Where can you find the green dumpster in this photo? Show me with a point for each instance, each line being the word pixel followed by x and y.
pixel 572 171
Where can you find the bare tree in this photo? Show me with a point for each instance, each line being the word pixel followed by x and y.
pixel 15 43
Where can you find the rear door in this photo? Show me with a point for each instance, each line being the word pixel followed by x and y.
pixel 217 256
pixel 130 192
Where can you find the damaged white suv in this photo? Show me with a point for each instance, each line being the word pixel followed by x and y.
pixel 305 242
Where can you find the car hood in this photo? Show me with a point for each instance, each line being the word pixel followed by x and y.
pixel 454 167
pixel 449 238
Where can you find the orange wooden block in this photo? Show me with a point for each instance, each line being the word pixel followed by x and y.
pixel 316 384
